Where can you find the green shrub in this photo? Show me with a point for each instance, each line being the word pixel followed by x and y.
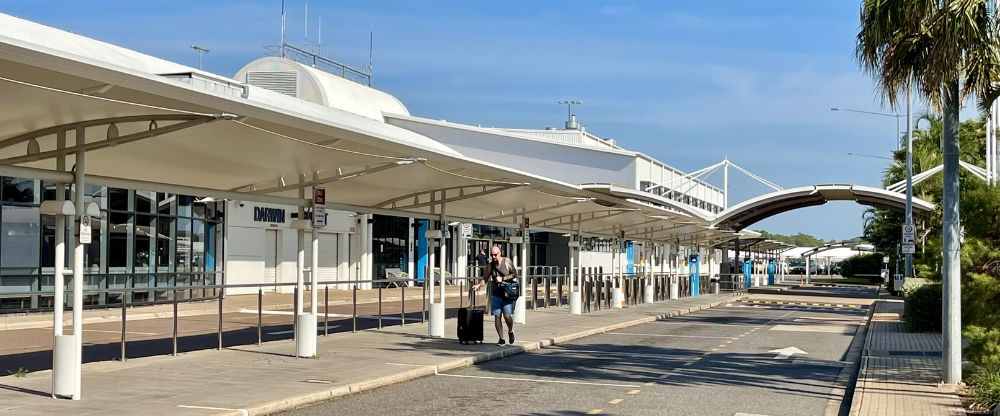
pixel 861 264
pixel 922 309
pixel 912 284
pixel 984 346
pixel 986 387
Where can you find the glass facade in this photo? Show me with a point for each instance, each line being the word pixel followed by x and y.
pixel 142 240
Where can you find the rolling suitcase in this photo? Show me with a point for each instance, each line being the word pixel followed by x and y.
pixel 470 323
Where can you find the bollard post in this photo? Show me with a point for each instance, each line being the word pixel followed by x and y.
pixel 295 308
pixel 402 305
pixel 379 306
pixel 354 317
pixel 326 310
pixel 260 315
pixel 123 328
pixel 220 317
pixel 423 302
pixel 175 323
pixel 534 292
pixel 548 291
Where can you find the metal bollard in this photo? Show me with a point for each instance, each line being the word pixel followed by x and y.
pixel 295 308
pixel 354 318
pixel 123 328
pixel 260 315
pixel 175 323
pixel 220 317
pixel 548 291
pixel 534 292
pixel 380 306
pixel 402 305
pixel 423 302
pixel 326 310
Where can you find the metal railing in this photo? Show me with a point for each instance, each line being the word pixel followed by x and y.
pixel 546 287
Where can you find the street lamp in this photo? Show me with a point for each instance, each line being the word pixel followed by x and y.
pixel 871 156
pixel 908 221
pixel 875 113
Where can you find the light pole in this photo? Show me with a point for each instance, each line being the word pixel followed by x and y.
pixel 875 113
pixel 871 156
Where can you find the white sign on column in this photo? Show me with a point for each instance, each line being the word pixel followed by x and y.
pixel 909 240
pixel 85 229
pixel 319 208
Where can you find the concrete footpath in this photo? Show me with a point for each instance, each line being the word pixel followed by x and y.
pixel 251 380
pixel 900 371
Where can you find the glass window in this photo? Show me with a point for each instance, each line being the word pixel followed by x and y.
pixel 198 246
pixel 49 241
pixel 20 235
pixel 144 243
pixel 119 233
pixel 18 190
pixel 183 257
pixel 164 235
pixel 144 201
pixel 199 209
pixel 184 203
pixel 118 199
pixel 165 203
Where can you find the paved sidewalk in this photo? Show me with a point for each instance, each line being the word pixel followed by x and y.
pixel 900 371
pixel 231 303
pixel 253 380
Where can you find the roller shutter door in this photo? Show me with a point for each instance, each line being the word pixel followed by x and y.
pixel 270 256
pixel 327 255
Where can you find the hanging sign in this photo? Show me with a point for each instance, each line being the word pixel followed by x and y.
pixel 319 207
pixel 466 230
pixel 85 229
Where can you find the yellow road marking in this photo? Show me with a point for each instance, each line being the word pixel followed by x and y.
pixel 595 411
pixel 633 392
pixel 615 401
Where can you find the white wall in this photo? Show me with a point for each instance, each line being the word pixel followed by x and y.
pixel 245 239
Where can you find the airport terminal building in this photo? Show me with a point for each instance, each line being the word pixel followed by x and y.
pixel 148 238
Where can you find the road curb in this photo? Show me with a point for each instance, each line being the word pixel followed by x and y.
pixel 854 352
pixel 409 375
pixel 862 363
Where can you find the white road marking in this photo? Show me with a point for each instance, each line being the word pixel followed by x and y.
pixel 833 329
pixel 666 335
pixel 320 329
pixel 580 383
pixel 243 411
pixel 821 318
pixel 785 353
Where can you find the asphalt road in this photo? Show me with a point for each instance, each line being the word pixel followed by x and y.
pixel 723 361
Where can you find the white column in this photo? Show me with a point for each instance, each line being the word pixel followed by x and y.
pixel 81 169
pixel 435 325
pixel 411 244
pixel 520 305
pixel 62 371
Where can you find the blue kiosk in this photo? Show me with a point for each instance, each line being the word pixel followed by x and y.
pixel 747 271
pixel 771 268
pixel 693 270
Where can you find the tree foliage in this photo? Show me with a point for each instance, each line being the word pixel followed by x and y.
pixel 799 240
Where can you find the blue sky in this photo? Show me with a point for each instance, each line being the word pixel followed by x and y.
pixel 687 82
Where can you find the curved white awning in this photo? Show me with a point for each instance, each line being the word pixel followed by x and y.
pixel 748 212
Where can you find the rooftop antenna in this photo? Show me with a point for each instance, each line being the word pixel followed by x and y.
pixel 319 42
pixel 201 52
pixel 307 26
pixel 571 123
pixel 281 48
pixel 371 47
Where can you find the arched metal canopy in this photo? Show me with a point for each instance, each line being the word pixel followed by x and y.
pixel 744 214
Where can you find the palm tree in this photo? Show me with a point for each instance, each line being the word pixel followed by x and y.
pixel 933 45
